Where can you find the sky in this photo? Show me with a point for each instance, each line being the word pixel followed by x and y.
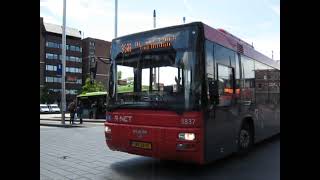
pixel 254 21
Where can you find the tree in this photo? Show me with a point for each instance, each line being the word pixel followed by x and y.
pixel 92 87
pixel 119 74
pixel 130 80
pixel 46 96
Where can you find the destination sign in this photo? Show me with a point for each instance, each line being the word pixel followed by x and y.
pixel 178 40
pixel 148 44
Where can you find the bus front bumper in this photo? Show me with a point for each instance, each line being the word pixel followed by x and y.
pixel 155 141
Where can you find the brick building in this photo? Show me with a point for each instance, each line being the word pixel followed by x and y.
pixel 91 50
pixel 42 55
pixel 50 61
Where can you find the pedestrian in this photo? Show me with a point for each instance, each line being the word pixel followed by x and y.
pixel 80 111
pixel 72 110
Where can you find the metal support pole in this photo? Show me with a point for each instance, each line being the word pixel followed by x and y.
pixel 154 71
pixel 116 19
pixel 154 18
pixel 63 85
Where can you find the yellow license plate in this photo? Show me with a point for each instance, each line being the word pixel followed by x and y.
pixel 142 145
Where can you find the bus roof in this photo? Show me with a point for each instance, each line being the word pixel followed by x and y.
pixel 159 29
pixel 230 41
pixel 92 94
pixel 223 38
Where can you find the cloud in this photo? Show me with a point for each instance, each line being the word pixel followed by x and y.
pixel 276 9
pixel 188 7
pixel 265 25
pixel 50 19
pixel 266 44
pixel 84 15
pixel 96 19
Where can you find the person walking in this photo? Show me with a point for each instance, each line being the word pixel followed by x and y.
pixel 80 111
pixel 72 110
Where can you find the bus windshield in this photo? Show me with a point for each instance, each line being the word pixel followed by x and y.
pixel 156 71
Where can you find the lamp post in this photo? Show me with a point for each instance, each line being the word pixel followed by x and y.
pixel 154 70
pixel 116 19
pixel 63 85
pixel 154 18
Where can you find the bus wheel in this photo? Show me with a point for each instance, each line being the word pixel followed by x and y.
pixel 245 139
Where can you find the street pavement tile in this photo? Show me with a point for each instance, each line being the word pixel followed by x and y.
pixel 61 172
pixel 44 177
pixel 88 157
pixel 91 176
pixel 84 178
pixel 73 176
pixel 54 175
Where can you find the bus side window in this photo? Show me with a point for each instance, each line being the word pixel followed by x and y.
pixel 209 68
pixel 225 85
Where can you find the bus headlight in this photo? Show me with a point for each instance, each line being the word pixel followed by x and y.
pixel 107 129
pixel 187 136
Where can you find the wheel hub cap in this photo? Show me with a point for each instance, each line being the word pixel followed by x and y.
pixel 244 138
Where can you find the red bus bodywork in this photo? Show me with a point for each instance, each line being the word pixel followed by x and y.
pixel 161 129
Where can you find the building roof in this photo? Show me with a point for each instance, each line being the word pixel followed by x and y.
pixel 95 39
pixel 58 30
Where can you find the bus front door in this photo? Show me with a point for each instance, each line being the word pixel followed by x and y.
pixel 220 124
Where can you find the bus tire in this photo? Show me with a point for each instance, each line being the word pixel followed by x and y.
pixel 245 139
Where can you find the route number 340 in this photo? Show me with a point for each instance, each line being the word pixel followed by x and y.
pixel 187 121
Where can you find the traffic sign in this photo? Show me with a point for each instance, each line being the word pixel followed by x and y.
pixel 59 69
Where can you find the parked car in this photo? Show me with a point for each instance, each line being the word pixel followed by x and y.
pixel 44 108
pixel 54 108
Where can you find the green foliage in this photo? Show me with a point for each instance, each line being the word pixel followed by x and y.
pixel 119 74
pixel 129 88
pixel 46 96
pixel 92 87
pixel 125 88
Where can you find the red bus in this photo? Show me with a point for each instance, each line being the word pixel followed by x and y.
pixel 191 93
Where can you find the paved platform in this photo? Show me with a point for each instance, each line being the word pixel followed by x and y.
pixel 57 117
pixel 82 153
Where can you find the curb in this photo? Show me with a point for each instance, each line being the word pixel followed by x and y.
pixel 61 125
pixel 94 121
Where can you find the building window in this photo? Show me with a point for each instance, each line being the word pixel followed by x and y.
pixel 52 44
pixel 53 79
pixel 72 48
pixel 51 68
pixel 73 70
pixel 55 90
pixel 59 45
pixel 67 58
pixel 71 91
pixel 71 58
pixel 51 56
pixel 49 79
pixel 57 80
